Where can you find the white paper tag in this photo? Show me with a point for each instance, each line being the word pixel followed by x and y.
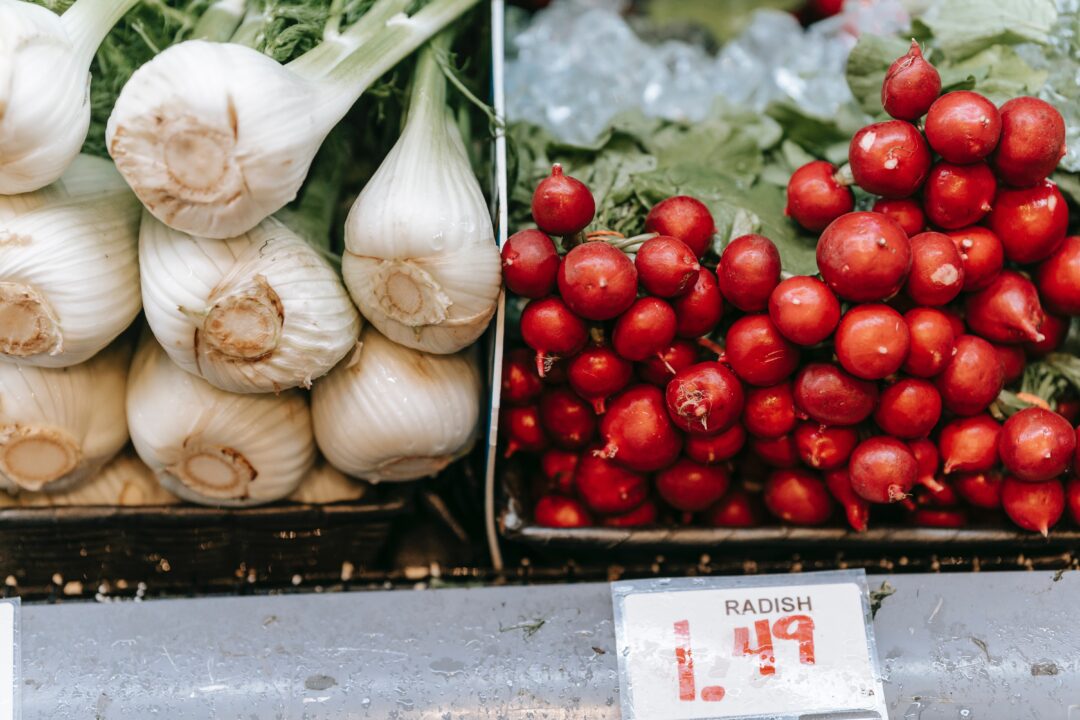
pixel 9 658
pixel 785 646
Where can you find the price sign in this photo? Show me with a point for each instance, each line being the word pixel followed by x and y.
pixel 778 647
pixel 9 659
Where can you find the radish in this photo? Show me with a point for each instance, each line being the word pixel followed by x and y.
pixel 637 431
pixel 659 369
pixel 958 326
pixel 798 497
pixel 908 213
pixel 931 342
pixel 856 509
pixel 804 310
pixel 643 515
pixel 562 205
pixel 1032 141
pixel 958 195
pixel 909 408
pixel 692 487
pixel 712 449
pixel 520 383
pixel 963 127
pixel 749 270
pixel 1013 360
pixel 889 158
pixel 699 311
pixel 597 373
pixel 555 511
pixel 597 281
pixel 937 271
pixel 522 429
pixel 882 470
pixel 1007 310
pixel 1072 496
pixel 928 460
pixel 779 452
pixel 530 264
pixel 567 419
pixel 735 510
pixel 940 517
pixel 559 467
pixel 872 341
pixel 864 256
pixel 1034 506
pixel 1053 329
pixel 981 254
pixel 936 495
pixel 550 328
pixel 1058 278
pixel 1036 444
pixel 605 487
pixel 758 353
pixel 823 447
pixel 1069 408
pixel 769 412
pixel 973 377
pixel 911 86
pixel 555 375
pixel 981 489
pixel 970 444
pixel 704 399
pixel 815 198
pixel 832 397
pixel 685 218
pixel 1030 222
pixel 645 329
pixel 666 266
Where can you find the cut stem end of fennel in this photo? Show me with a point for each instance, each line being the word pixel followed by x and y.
pixel 215 472
pixel 33 457
pixel 246 326
pixel 28 325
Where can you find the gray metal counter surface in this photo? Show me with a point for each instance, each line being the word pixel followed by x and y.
pixel 963 646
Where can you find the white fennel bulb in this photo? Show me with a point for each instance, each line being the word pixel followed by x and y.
pixel 421 260
pixel 214 447
pixel 58 426
pixel 45 86
pixel 326 484
pixel 214 137
pixel 261 312
pixel 393 413
pixel 125 481
pixel 69 267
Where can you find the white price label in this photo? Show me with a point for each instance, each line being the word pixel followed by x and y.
pixel 8 659
pixel 746 647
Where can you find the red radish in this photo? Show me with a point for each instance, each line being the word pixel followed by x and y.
pixel 778 452
pixel 558 467
pixel 940 517
pixel 856 509
pixel 659 369
pixel 823 447
pixel 798 497
pixel 1032 141
pixel 685 218
pixel 666 266
pixel 711 449
pixel 749 270
pixel 872 341
pixel 931 342
pixel 889 158
pixel 1069 408
pixel 555 374
pixel 1034 506
pixel 908 213
pixel 758 353
pixel 804 310
pixel 522 429
pixel 597 281
pixel 643 515
pixel 735 510
pixel 958 326
pixel 699 310
pixel 1013 360
pixel 981 254
pixel 555 511
pixel 530 264
pixel 597 373
pixel 567 419
pixel 937 271
pixel 815 198
pixel 606 487
pixel 550 328
pixel 1036 444
pixel 1072 492
pixel 981 489
pixel 562 205
pixel 520 383
pixel 1007 311
pixel 690 486
pixel 832 397
pixel 1030 222
pixel 928 459
pixel 1058 278
pixel 973 377
pixel 769 411
pixel 911 86
pixel 883 470
pixel 909 408
pixel 637 431
pixel 1053 329
pixel 958 195
pixel 704 399
pixel 933 492
pixel 970 444
pixel 645 329
pixel 864 256
pixel 963 127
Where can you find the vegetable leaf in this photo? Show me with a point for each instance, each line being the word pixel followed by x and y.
pixel 963 28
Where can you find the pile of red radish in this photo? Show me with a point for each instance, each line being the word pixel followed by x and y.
pixel 659 390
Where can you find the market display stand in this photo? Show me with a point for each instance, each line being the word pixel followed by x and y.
pixel 970 646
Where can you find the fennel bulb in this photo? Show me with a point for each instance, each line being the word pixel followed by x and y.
pixel 59 426
pixel 393 413
pixel 261 312
pixel 214 137
pixel 125 481
pixel 213 447
pixel 326 484
pixel 69 268
pixel 45 86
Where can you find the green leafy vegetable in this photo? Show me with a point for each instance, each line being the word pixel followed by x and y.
pixel 962 28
